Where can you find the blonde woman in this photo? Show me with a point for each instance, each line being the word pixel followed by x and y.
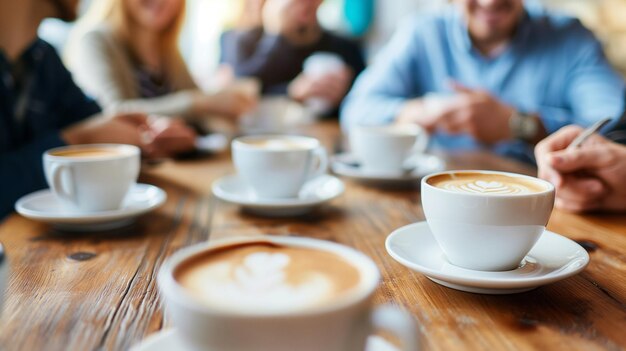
pixel 125 54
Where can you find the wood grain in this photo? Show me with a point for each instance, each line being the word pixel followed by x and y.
pixel 98 291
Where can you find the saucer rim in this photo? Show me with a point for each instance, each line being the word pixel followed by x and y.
pixel 291 203
pixel 482 282
pixel 355 173
pixel 154 340
pixel 86 218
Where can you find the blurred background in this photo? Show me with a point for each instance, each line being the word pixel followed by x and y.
pixel 372 21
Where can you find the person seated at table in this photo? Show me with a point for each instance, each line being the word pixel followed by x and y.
pixel 41 107
pixel 277 38
pixel 492 74
pixel 587 178
pixel 125 54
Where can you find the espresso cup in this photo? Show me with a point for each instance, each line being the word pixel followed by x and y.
pixel 276 294
pixel 389 148
pixel 277 166
pixel 91 178
pixel 486 220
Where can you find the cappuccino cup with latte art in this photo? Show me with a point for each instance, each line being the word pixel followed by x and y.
pixel 486 220
pixel 276 294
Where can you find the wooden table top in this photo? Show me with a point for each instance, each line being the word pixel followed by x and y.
pixel 98 291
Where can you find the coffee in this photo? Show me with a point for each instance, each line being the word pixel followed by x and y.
pixel 90 153
pixel 279 144
pixel 263 276
pixel 486 184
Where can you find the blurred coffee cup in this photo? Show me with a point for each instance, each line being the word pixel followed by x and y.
pixel 277 294
pixel 91 178
pixel 388 148
pixel 319 65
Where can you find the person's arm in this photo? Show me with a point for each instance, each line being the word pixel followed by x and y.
pixel 386 86
pixel 594 89
pixel 97 66
pixel 251 52
pixel 21 170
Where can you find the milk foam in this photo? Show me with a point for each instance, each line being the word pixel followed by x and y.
pixel 260 283
pixel 485 187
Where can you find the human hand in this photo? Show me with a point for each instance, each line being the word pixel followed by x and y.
pixel 120 129
pixel 479 114
pixel 226 102
pixel 590 177
pixel 166 137
pixel 331 87
pixel 474 112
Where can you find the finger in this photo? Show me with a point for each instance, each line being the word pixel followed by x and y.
pixel 136 119
pixel 575 207
pixel 581 189
pixel 460 88
pixel 593 157
pixel 557 141
pixel 549 174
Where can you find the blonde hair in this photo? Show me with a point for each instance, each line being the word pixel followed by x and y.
pixel 115 13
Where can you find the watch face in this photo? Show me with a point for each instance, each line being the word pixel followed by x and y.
pixel 523 126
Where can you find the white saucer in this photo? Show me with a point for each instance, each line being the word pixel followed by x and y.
pixel 313 194
pixel 347 165
pixel 45 207
pixel 169 340
pixel 553 258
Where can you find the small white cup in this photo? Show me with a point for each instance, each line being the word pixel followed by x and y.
pixel 92 183
pixel 317 65
pixel 341 325
pixel 388 149
pixel 273 114
pixel 277 166
pixel 486 232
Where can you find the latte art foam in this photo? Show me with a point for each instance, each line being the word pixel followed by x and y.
pixel 482 187
pixel 486 184
pixel 267 278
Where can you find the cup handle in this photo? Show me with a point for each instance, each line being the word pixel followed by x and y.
pixel 421 142
pixel 56 183
pixel 319 153
pixel 400 323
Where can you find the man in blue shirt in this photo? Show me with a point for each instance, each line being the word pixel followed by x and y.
pixel 40 106
pixel 489 74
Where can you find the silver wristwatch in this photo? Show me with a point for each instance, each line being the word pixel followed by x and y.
pixel 523 126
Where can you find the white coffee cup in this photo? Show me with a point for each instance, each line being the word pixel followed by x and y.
pixel 318 65
pixel 339 325
pixel 277 166
pixel 391 148
pixel 273 114
pixel 91 178
pixel 477 227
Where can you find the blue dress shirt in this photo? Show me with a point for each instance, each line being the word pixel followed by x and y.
pixel 553 67
pixel 33 110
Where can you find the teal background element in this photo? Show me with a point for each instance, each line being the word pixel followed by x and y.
pixel 359 15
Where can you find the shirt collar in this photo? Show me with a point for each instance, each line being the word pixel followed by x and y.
pixel 32 54
pixel 462 39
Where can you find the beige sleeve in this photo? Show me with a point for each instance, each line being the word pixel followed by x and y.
pixel 102 68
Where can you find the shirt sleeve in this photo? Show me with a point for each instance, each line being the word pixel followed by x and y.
pixel 594 89
pixel 382 89
pixel 21 170
pixel 99 71
pixel 251 52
